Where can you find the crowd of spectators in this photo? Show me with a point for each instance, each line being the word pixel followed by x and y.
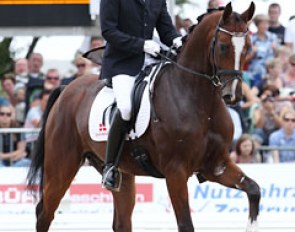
pixel 264 120
pixel 265 117
pixel 24 95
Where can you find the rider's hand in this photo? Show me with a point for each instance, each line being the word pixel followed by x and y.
pixel 177 42
pixel 151 47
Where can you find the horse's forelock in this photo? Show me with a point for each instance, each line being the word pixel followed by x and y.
pixel 233 20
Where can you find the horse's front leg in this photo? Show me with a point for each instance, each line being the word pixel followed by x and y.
pixel 124 202
pixel 177 188
pixel 233 177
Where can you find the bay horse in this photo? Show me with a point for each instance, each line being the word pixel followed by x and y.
pixel 192 134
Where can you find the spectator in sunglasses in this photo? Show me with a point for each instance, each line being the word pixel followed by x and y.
pixel 83 67
pixel 284 137
pixel 52 79
pixel 13 148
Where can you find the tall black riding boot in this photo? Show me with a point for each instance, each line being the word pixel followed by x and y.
pixel 111 177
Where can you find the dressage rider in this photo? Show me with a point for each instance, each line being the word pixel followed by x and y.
pixel 128 28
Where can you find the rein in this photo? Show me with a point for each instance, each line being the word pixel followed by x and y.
pixel 214 79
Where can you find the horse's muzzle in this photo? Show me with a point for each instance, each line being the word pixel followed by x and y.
pixel 230 99
pixel 232 92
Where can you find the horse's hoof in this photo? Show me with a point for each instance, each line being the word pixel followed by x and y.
pixel 252 226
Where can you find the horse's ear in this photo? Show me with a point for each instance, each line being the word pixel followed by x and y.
pixel 248 14
pixel 227 12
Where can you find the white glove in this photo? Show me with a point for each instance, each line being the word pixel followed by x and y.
pixel 151 47
pixel 177 42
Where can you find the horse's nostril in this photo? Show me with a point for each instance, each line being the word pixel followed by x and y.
pixel 227 98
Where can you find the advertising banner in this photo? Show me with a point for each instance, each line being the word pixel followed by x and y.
pixel 86 196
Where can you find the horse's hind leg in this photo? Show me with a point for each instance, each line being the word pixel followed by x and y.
pixel 60 169
pixel 124 202
pixel 233 177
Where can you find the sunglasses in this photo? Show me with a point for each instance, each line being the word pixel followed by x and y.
pixel 292 64
pixel 80 65
pixel 52 78
pixel 289 119
pixel 5 114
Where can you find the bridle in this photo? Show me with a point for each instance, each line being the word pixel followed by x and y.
pixel 217 74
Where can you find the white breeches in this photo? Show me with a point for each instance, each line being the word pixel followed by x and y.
pixel 123 85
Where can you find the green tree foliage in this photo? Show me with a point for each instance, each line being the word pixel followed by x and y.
pixel 179 2
pixel 7 57
pixel 6 62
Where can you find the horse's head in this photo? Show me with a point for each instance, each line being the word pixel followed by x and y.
pixel 229 44
pixel 219 44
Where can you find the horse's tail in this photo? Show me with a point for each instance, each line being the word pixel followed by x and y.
pixel 36 171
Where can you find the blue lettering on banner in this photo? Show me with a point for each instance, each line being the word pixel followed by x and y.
pixel 208 191
pixel 220 208
pixel 221 199
pixel 217 192
pixel 237 208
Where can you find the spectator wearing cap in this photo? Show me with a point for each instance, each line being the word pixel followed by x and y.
pixel 284 137
pixel 274 12
pixel 264 44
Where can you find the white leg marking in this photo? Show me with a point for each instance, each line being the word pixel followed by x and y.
pixel 252 227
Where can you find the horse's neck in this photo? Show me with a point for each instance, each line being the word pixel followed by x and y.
pixel 195 55
pixel 189 90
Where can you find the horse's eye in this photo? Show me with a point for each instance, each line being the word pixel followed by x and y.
pixel 223 47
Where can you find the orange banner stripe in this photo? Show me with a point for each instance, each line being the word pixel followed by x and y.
pixel 40 2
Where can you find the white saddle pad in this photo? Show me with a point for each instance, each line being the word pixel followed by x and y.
pixel 99 131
